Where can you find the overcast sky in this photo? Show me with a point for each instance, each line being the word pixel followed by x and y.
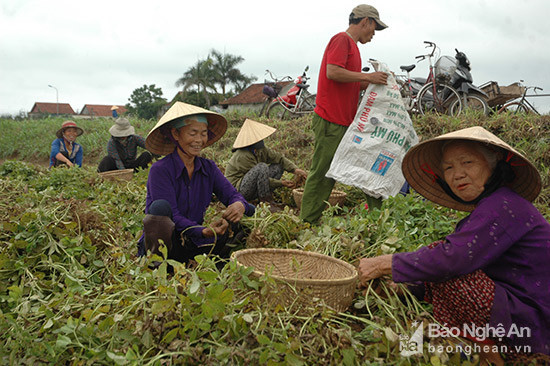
pixel 98 52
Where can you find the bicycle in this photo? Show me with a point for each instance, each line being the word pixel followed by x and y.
pixel 272 89
pixel 431 94
pixel 297 101
pixel 522 105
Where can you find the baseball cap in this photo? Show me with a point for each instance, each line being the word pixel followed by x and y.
pixel 368 11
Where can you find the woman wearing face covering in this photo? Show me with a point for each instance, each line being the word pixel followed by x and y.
pixel 65 151
pixel 180 186
pixel 256 170
pixel 122 149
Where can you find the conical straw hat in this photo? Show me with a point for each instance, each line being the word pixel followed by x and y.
pixel 425 158
pixel 252 132
pixel 157 140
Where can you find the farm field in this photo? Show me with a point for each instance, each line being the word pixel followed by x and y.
pixel 73 291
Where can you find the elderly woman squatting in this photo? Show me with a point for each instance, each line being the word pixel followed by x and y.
pixel 492 271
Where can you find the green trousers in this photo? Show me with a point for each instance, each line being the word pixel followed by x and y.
pixel 318 187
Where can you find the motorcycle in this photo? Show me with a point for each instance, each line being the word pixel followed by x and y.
pixel 297 100
pixel 461 79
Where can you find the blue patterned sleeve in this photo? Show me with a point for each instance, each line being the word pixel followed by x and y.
pixel 79 155
pixel 54 151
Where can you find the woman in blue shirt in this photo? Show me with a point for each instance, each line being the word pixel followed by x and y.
pixel 65 151
pixel 180 186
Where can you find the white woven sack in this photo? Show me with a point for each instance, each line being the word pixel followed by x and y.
pixel 370 154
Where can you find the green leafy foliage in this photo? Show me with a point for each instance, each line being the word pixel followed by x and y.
pixel 72 290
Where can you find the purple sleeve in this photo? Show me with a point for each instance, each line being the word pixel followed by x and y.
pixel 481 238
pixel 161 185
pixel 226 193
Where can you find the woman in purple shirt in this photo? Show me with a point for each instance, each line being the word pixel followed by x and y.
pixel 180 186
pixel 492 273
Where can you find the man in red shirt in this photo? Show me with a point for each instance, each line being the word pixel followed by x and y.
pixel 340 82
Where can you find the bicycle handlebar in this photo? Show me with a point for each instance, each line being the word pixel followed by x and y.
pixel 428 44
pixel 431 44
pixel 535 88
pixel 275 79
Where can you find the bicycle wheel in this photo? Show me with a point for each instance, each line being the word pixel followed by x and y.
pixel 472 102
pixel 308 104
pixel 276 111
pixel 514 107
pixel 438 99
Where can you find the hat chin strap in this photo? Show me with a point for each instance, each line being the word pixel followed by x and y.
pixel 176 143
pixel 502 174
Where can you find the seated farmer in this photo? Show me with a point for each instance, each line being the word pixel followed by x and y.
pixel 122 149
pixel 180 186
pixel 254 169
pixel 492 272
pixel 65 151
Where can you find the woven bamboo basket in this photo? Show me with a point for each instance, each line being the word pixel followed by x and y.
pixel 336 197
pixel 114 175
pixel 301 277
pixel 499 95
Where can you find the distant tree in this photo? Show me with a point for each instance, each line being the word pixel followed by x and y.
pixel 218 69
pixel 192 97
pixel 145 102
pixel 242 83
pixel 200 76
pixel 226 72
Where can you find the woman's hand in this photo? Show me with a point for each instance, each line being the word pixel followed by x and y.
pixel 287 183
pixel 234 212
pixel 62 158
pixel 300 173
pixel 218 227
pixel 371 268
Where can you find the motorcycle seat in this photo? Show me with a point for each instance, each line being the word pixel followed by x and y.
pixel 303 86
pixel 408 68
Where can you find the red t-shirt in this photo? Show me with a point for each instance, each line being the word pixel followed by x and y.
pixel 337 102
